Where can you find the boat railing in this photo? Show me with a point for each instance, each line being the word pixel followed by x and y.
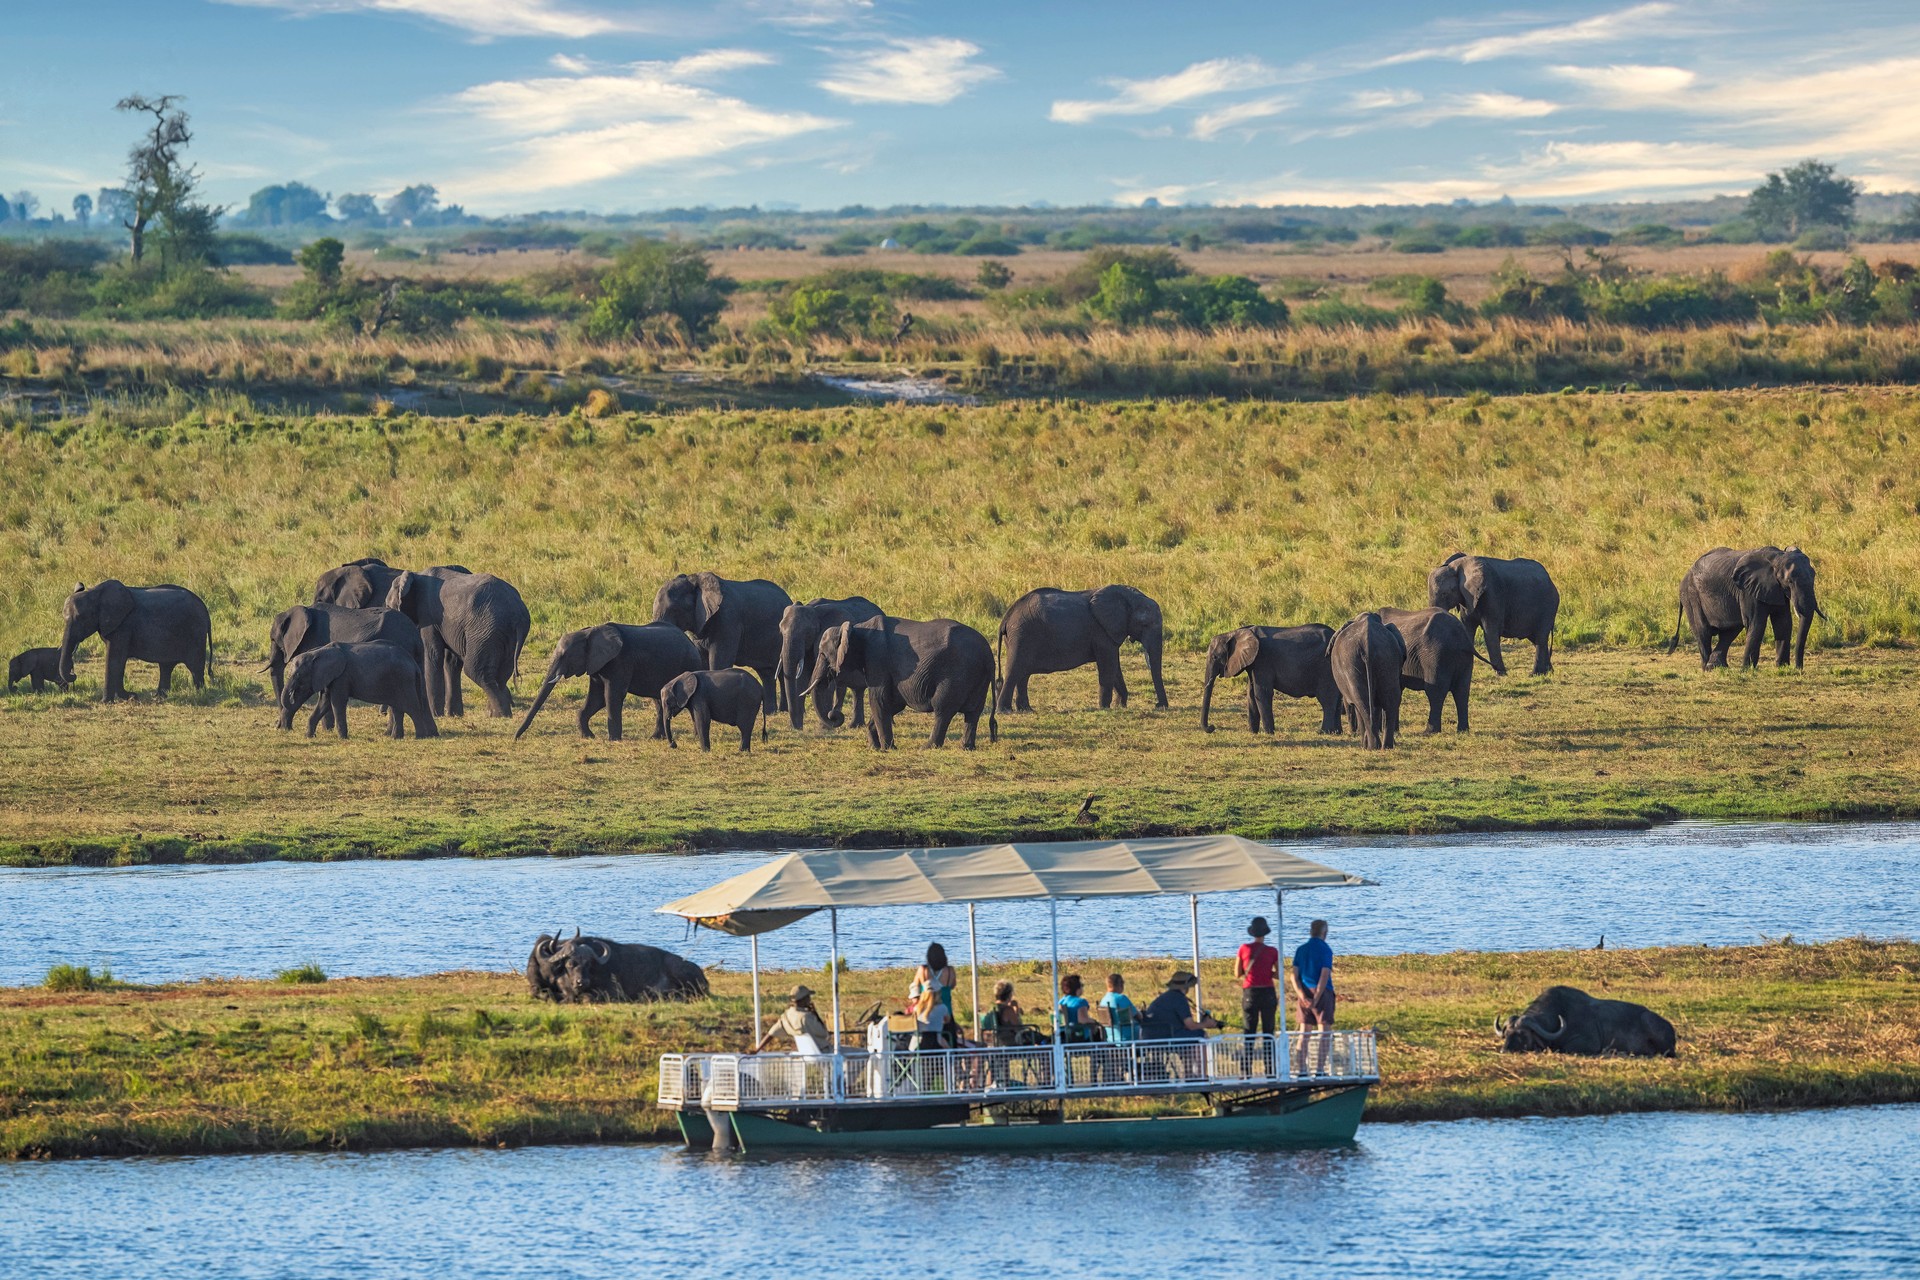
pixel 757 1081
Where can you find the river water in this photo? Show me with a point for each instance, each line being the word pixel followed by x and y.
pixel 1833 1194
pixel 1685 883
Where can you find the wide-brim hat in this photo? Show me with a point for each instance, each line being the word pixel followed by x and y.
pixel 1181 978
pixel 802 992
pixel 1257 927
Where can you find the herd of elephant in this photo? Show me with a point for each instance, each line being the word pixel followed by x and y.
pixel 736 652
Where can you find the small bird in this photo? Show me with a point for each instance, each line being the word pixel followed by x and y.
pixel 1087 817
pixel 1602 944
pixel 906 323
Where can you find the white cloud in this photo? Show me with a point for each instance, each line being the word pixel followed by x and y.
pixel 811 13
pixel 1382 99
pixel 568 131
pixel 1144 97
pixel 1491 106
pixel 929 70
pixel 1211 124
pixel 1630 84
pixel 480 17
pixel 1132 192
pixel 1639 20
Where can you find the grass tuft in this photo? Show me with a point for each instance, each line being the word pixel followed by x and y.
pixel 300 975
pixel 78 977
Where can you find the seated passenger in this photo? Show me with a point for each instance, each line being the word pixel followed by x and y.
pixel 1073 1016
pixel 1005 1024
pixel 801 1022
pixel 1123 1016
pixel 1171 1016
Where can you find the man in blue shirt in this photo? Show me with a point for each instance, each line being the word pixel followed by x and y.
pixel 1313 994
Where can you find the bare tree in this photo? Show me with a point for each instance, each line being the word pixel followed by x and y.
pixel 158 180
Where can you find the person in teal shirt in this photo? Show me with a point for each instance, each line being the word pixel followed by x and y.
pixel 1123 1016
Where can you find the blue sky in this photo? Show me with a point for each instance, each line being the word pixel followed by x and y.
pixel 511 105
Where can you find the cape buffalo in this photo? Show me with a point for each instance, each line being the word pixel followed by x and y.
pixel 580 969
pixel 1567 1020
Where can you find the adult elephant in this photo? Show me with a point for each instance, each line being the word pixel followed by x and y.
pixel 1287 660
pixel 621 660
pixel 801 626
pixel 942 666
pixel 1727 591
pixel 166 625
pixel 362 583
pixel 1508 599
pixel 736 624
pixel 1050 630
pixel 471 622
pixel 1367 656
pixel 1440 660
pixel 308 626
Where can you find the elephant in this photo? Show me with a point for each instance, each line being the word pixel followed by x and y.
pixel 1050 630
pixel 1440 658
pixel 732 697
pixel 577 969
pixel 472 622
pixel 1568 1020
pixel 376 671
pixel 941 666
pixel 736 624
pixel 1288 660
pixel 801 626
pixel 1511 599
pixel 41 666
pixel 621 659
pixel 308 626
pixel 1367 657
pixel 1727 591
pixel 359 584
pixel 166 625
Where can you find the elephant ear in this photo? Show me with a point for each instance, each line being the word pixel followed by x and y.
pixel 1246 649
pixel 1399 641
pixel 707 605
pixel 329 664
pixel 116 605
pixel 1458 555
pixel 299 622
pixel 1473 582
pixel 397 592
pixel 1755 575
pixel 678 692
pixel 1112 607
pixel 603 646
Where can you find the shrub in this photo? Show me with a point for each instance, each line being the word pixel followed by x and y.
pixel 1651 233
pixel 654 281
pixel 179 293
pixel 78 977
pixel 53 277
pixel 1222 302
pixel 1832 239
pixel 993 274
pixel 1518 295
pixel 809 310
pixel 985 245
pixel 1336 313
pixel 239 249
pixel 1663 302
pixel 305 974
pixel 1129 294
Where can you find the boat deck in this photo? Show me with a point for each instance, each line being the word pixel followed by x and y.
pixel 885 1076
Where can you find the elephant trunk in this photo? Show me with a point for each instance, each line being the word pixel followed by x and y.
pixel 1804 624
pixel 1806 606
pixel 1206 697
pixel 1154 642
pixel 70 639
pixel 288 705
pixel 792 674
pixel 539 701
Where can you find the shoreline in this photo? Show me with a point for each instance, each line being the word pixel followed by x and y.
pixel 467 1059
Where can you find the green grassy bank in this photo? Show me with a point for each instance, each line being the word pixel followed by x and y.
pixel 467 1059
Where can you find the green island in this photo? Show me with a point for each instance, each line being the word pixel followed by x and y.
pixel 223 1066
pixel 1227 512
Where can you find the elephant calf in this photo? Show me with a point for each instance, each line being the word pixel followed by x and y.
pixel 732 697
pixel 41 666
pixel 1367 655
pixel 1287 660
pixel 377 671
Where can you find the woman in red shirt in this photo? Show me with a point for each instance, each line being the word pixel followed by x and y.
pixel 1258 968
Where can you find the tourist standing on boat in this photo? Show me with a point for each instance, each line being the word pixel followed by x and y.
pixel 801 1022
pixel 937 976
pixel 1313 989
pixel 1257 966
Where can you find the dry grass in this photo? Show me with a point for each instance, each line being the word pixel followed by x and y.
pixel 462 1059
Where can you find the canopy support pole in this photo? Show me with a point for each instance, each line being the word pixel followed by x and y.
pixel 1193 918
pixel 833 969
pixel 1280 975
pixel 1053 1002
pixel 754 939
pixel 973 968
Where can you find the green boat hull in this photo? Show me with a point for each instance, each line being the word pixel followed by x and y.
pixel 1325 1120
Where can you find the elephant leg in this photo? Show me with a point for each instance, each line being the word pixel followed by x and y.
pixel 199 669
pixel 1703 636
pixel 1436 702
pixel 772 702
pixel 323 705
pixel 1462 689
pixel 596 699
pixel 1543 653
pixel 338 696
pixel 1756 636
pixel 423 725
pixel 859 707
pixel 1330 713
pixel 1013 686
pixel 1263 703
pixel 499 697
pixel 942 717
pixel 659 719
pixel 454 668
pixel 616 700
pixel 702 727
pixel 1491 628
pixel 396 723
pixel 969 730
pixel 746 733
pixel 166 678
pixel 1253 709
pixel 1117 679
pixel 1782 619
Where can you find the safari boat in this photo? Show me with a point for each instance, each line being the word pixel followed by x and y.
pixel 879 1094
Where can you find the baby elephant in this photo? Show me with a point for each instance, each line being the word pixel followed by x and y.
pixel 732 697
pixel 42 666
pixel 373 671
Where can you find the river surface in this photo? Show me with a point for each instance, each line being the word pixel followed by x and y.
pixel 1687 883
pixel 1833 1194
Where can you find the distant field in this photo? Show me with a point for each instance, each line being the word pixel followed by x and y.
pixel 1227 513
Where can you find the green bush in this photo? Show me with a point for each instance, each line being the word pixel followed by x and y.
pixel 1651 233
pixel 239 249
pixel 1222 302
pixel 807 311
pixel 1337 313
pixel 1129 295
pixel 1666 302
pixel 78 977
pixel 1519 295
pixel 1832 239
pixel 49 278
pixel 305 974
pixel 655 283
pixel 147 292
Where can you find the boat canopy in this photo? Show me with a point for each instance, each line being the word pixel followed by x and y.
pixel 795 886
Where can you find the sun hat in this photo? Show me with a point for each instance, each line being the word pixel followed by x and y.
pixel 1258 927
pixel 802 992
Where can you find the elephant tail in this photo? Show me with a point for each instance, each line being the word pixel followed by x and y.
pixel 993 689
pixel 1675 642
pixel 1483 657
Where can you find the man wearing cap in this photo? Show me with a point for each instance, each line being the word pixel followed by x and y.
pixel 799 1021
pixel 1258 967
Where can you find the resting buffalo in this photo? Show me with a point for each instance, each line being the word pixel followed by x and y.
pixel 576 970
pixel 1567 1020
